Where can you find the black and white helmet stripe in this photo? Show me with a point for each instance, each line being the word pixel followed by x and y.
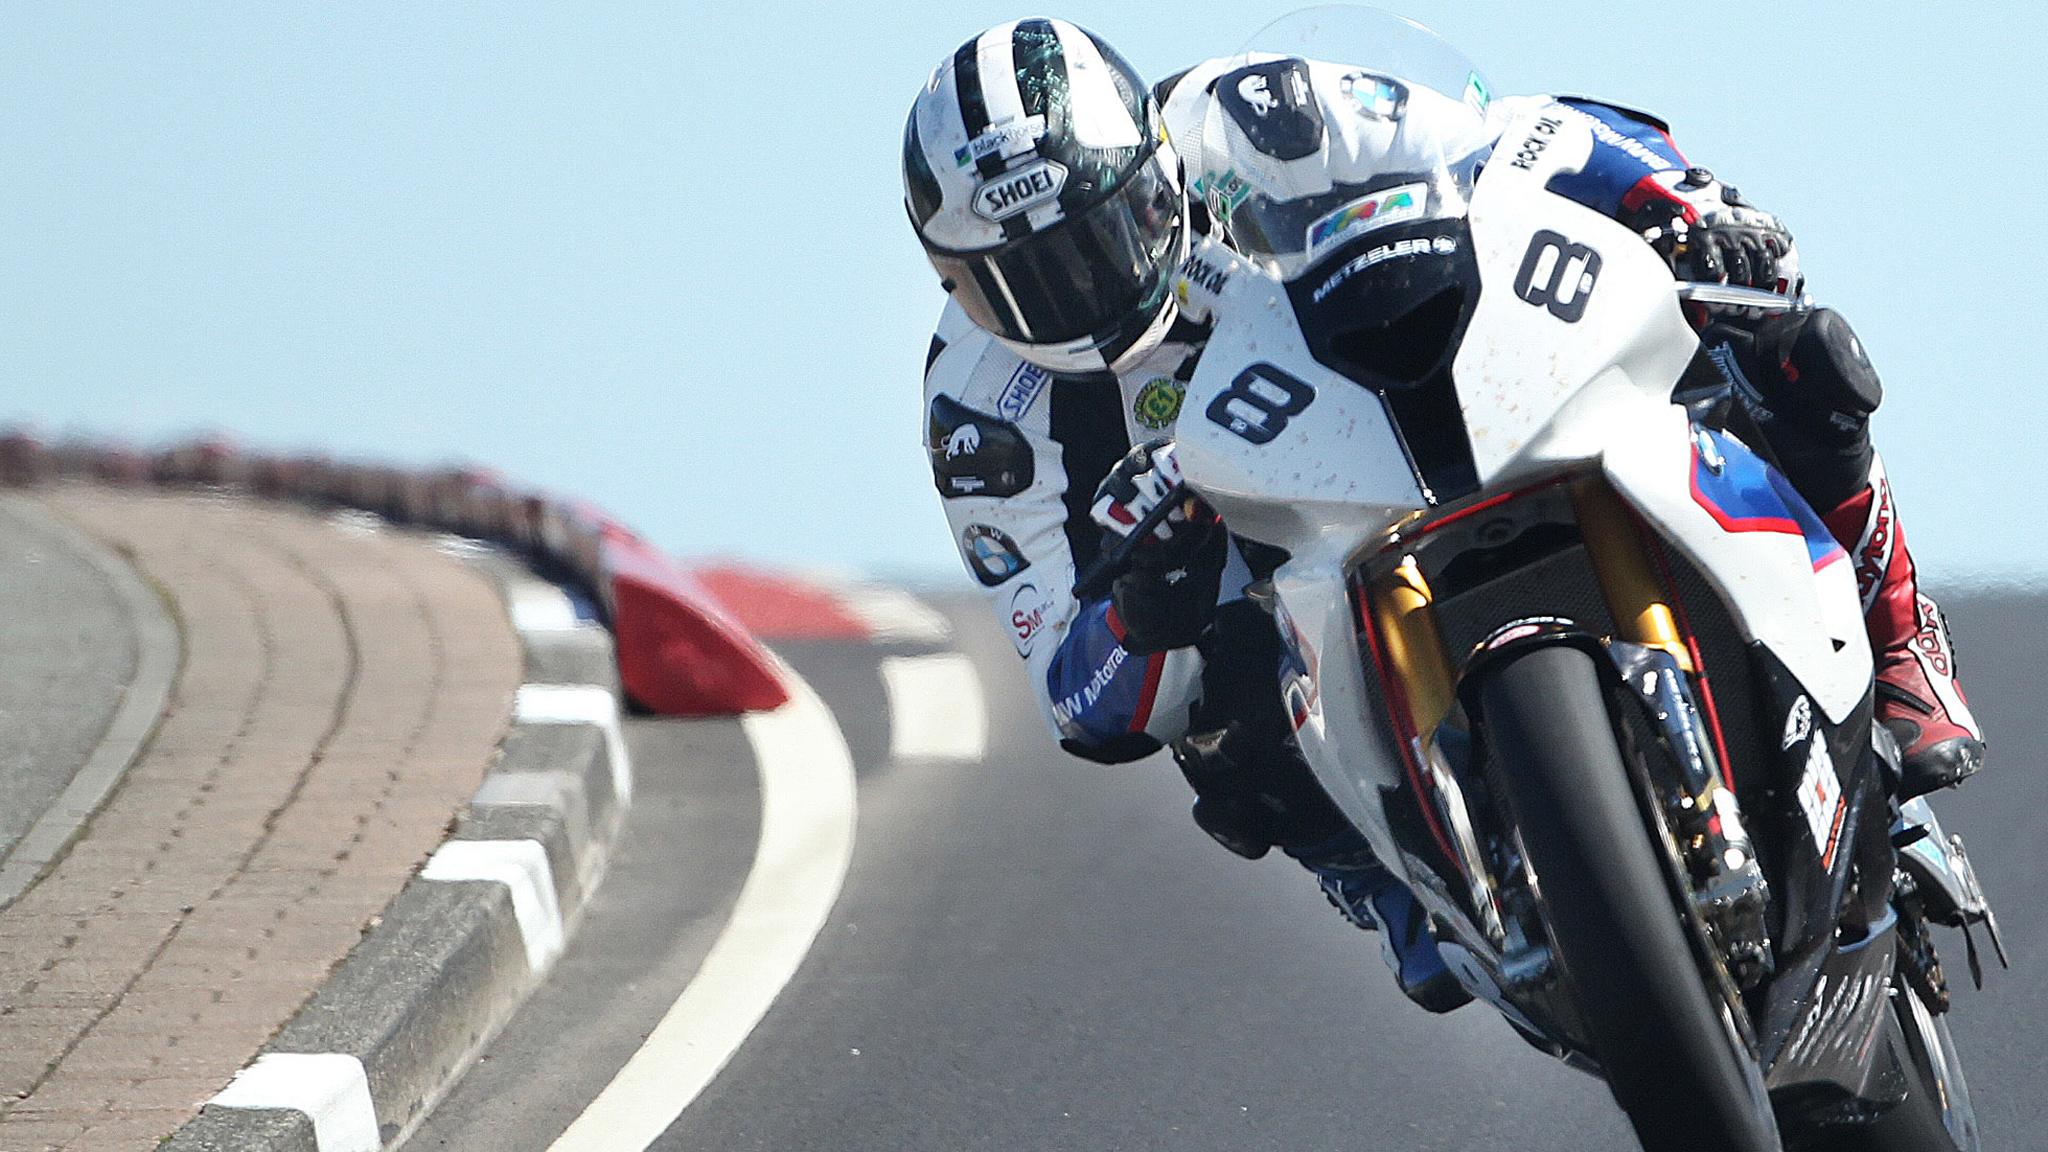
pixel 985 72
pixel 985 114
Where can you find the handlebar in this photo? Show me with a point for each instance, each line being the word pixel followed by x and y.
pixel 1736 296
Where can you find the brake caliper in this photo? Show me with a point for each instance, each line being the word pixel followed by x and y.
pixel 1728 883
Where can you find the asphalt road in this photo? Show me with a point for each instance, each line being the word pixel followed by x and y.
pixel 1035 953
pixel 67 653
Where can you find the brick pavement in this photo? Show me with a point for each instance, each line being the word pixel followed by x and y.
pixel 341 696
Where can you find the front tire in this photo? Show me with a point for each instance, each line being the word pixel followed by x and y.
pixel 1672 1059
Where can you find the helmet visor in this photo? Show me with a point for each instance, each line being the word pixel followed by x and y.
pixel 1086 275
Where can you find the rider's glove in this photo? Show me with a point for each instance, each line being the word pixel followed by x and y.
pixel 1167 595
pixel 1803 368
pixel 1708 233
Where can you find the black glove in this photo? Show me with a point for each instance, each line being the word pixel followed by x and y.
pixel 1805 381
pixel 1803 367
pixel 1708 233
pixel 1253 790
pixel 1167 595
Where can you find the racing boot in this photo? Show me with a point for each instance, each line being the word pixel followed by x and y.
pixel 1918 699
pixel 1250 812
pixel 1361 888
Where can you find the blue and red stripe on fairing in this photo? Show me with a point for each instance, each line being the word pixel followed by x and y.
pixel 1098 691
pixel 1748 495
pixel 1628 154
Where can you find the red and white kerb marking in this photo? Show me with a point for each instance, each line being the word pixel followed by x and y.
pixel 783 606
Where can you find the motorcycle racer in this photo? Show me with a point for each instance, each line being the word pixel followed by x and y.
pixel 1058 209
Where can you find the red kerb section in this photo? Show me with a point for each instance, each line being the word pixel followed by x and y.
pixel 773 606
pixel 679 653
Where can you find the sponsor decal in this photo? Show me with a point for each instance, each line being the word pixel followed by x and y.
pixel 1272 105
pixel 1158 403
pixel 1820 796
pixel 1027 617
pixel 1931 641
pixel 1524 628
pixel 1874 551
pixel 965 441
pixel 1419 246
pixel 1222 192
pixel 1005 140
pixel 1065 709
pixel 1536 144
pixel 975 454
pixel 1633 148
pixel 1518 632
pixel 1389 206
pixel 991 553
pixel 1798 724
pixel 1022 391
pixel 1843 1008
pixel 1375 97
pixel 1257 96
pixel 1478 96
pixel 1020 190
pixel 1207 276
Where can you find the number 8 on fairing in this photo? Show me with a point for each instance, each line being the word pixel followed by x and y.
pixel 1570 271
pixel 1258 404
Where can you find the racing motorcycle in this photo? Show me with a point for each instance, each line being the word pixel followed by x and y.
pixel 1569 650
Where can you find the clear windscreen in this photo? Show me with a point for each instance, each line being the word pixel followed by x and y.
pixel 1402 143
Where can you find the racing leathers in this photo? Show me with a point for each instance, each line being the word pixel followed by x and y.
pixel 1018 453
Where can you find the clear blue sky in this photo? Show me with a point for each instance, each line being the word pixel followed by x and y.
pixel 655 255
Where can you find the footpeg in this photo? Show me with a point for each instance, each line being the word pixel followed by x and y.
pixel 1948 883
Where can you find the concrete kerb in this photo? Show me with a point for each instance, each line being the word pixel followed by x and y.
pixel 159 653
pixel 456 952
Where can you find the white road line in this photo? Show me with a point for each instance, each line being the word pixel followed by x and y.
pixel 800 861
pixel 935 707
pixel 893 615
pixel 522 867
pixel 332 1090
pixel 537 606
pixel 580 704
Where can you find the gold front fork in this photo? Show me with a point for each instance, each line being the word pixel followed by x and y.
pixel 1415 650
pixel 1633 593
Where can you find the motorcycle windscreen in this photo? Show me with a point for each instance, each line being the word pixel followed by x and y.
pixel 1388 312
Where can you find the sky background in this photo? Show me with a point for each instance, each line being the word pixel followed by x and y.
pixel 655 255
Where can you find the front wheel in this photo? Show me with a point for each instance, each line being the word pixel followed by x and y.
pixel 1670 1054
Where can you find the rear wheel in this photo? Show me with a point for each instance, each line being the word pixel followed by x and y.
pixel 1936 1115
pixel 1674 1060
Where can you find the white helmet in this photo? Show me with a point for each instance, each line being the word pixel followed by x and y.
pixel 1039 178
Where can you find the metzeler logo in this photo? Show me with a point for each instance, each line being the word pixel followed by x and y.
pixel 1020 190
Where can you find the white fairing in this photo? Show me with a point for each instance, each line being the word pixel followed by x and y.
pixel 1541 394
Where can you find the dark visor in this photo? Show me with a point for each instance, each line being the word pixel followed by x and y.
pixel 1084 275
